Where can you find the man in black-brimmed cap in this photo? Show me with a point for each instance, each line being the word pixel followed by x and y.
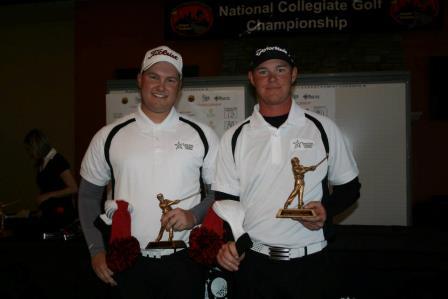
pixel 288 258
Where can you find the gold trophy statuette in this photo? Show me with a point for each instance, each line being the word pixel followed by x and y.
pixel 165 206
pixel 298 171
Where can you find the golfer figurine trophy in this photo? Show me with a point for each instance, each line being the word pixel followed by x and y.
pixel 298 171
pixel 165 206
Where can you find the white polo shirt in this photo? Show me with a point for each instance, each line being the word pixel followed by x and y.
pixel 148 159
pixel 260 172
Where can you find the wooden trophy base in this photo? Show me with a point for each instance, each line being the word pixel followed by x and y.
pixel 295 213
pixel 166 245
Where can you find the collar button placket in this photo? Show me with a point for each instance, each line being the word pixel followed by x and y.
pixel 276 148
pixel 157 142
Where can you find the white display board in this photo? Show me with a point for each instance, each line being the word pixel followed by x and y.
pixel 371 109
pixel 218 107
pixel 372 116
pixel 320 99
pixel 120 103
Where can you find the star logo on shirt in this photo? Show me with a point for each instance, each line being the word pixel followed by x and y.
pixel 302 144
pixel 178 145
pixel 184 146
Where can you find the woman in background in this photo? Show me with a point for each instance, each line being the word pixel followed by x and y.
pixel 55 181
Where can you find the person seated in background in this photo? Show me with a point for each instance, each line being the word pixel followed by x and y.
pixel 55 181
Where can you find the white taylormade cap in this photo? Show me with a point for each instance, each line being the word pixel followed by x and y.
pixel 162 53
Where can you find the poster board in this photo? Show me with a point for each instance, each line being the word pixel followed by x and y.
pixel 372 111
pixel 217 102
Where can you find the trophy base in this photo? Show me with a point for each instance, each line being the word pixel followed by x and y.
pixel 295 213
pixel 166 245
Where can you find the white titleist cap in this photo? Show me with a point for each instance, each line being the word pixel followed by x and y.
pixel 162 53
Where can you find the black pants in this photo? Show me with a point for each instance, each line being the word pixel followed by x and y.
pixel 173 276
pixel 308 277
pixel 57 213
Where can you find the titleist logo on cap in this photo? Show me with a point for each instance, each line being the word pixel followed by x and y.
pixel 275 48
pixel 163 52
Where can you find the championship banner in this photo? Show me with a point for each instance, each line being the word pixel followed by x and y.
pixel 208 19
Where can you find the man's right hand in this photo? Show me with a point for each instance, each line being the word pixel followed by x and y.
pixel 228 257
pixel 101 269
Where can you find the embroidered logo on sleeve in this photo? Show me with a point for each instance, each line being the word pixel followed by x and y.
pixel 299 144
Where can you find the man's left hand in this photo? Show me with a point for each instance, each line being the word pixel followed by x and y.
pixel 315 222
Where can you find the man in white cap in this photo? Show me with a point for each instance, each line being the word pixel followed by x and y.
pixel 288 256
pixel 153 150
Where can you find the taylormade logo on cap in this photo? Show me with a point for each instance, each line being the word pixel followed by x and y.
pixel 159 54
pixel 275 48
pixel 271 52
